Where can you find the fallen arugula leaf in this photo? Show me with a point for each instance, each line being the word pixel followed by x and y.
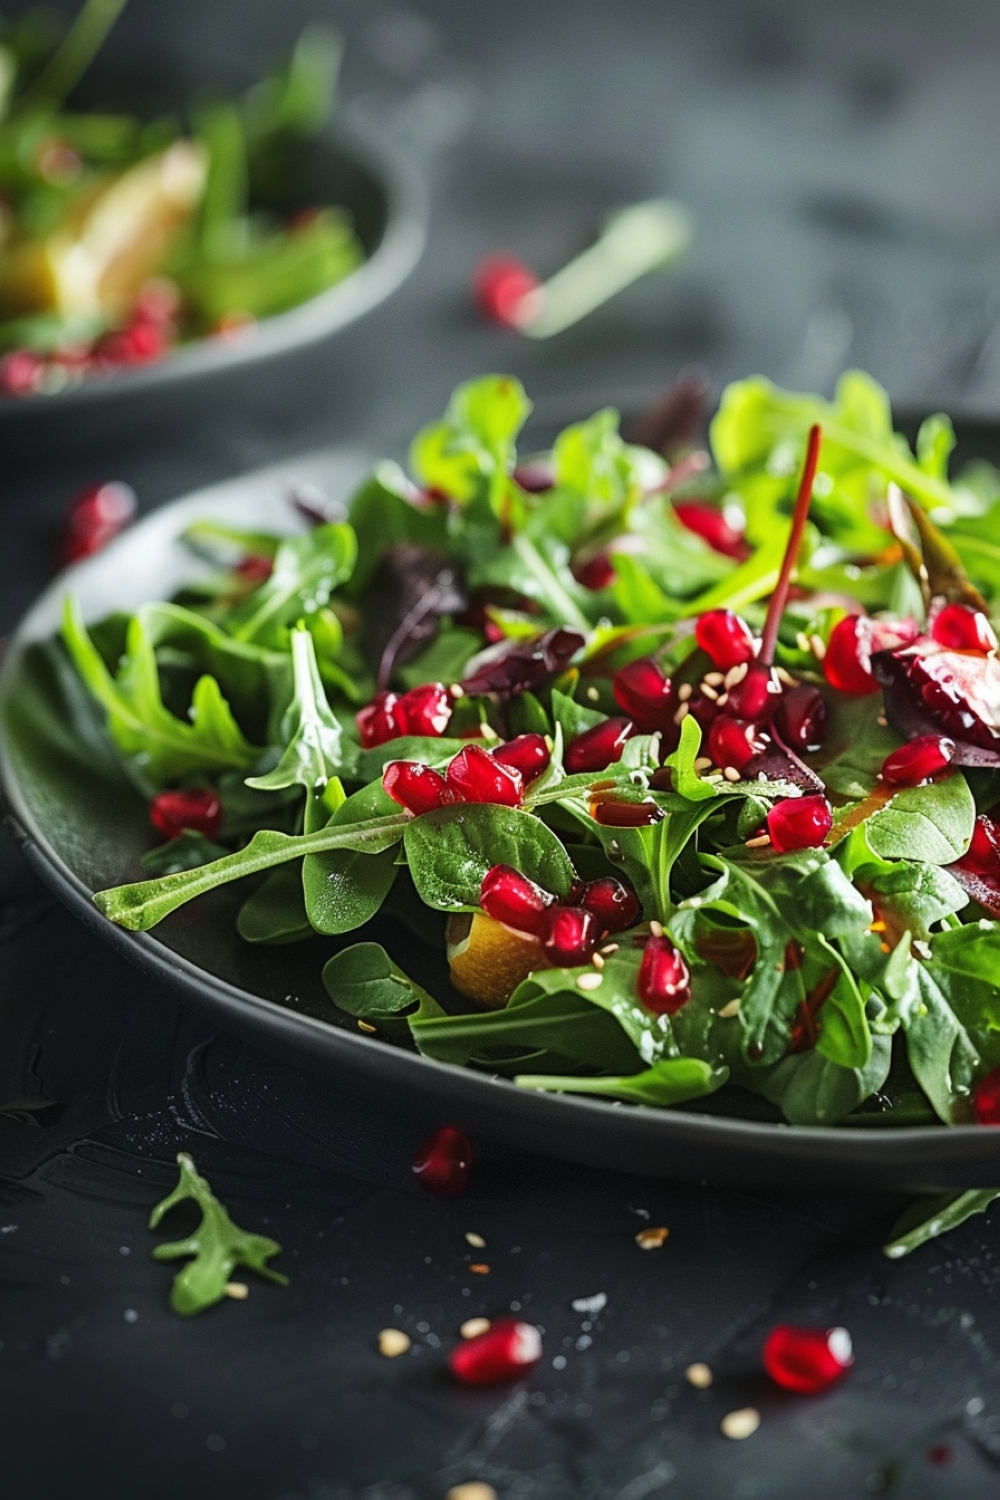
pixel 929 1217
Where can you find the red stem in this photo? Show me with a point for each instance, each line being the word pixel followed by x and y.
pixel 776 607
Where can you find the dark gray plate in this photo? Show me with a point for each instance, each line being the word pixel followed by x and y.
pixel 83 827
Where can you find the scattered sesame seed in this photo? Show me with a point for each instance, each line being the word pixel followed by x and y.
pixel 731 773
pixel 473 1327
pixel 819 646
pixel 597 961
pixel 656 928
pixel 610 948
pixel 474 1490
pixel 702 763
pixel 759 841
pixel 366 1026
pixel 732 1009
pixel 698 1375
pixel 715 679
pixel 479 1268
pixel 709 691
pixel 238 1290
pixel 723 700
pixel 457 690
pixel 475 1240
pixel 589 981
pixel 684 692
pixel 785 677
pixel 392 1342
pixel 593 694
pixel 653 1238
pixel 734 675
pixel 802 641
pixel 681 714
pixel 742 1423
pixel 882 721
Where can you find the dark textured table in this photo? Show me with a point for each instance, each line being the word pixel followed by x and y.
pixel 841 163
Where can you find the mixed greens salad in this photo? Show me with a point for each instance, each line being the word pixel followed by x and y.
pixel 120 237
pixel 686 760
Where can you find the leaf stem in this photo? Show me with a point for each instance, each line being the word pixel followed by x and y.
pixel 555 596
pixel 776 606
pixel 73 56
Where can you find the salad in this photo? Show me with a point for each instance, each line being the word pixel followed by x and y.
pixel 122 237
pixel 686 760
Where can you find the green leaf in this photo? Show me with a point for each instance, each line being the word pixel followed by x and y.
pixel 383 515
pixel 933 823
pixel 363 981
pixel 306 570
pixel 450 850
pixel 935 445
pixel 935 1215
pixel 809 1089
pixel 672 1080
pixel 313 752
pixel 687 781
pixel 591 458
pixel 941 1053
pixel 475 439
pixel 185 852
pixel 217 1246
pixel 344 888
pixel 276 912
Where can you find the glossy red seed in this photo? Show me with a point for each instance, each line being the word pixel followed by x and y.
pixel 510 897
pixel 847 661
pixel 801 717
pixel 727 639
pixel 477 777
pixel 806 1360
pixel 612 812
pixel 799 823
pixel 417 788
pixel 646 695
pixel 195 808
pixel 756 696
pixel 664 982
pixel 983 854
pixel 502 286
pixel 960 628
pixel 919 760
pixel 708 522
pixel 733 742
pixel 95 518
pixel 528 753
pixel 986 1099
pixel 443 1163
pixel 571 935
pixel 21 372
pixel 380 720
pixel 508 1349
pixel 597 573
pixel 597 748
pixel 426 710
pixel 613 903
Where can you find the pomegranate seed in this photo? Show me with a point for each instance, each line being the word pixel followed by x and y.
pixel 919 760
pixel 426 710
pixel 960 628
pixel 94 519
pixel 528 753
pixel 571 935
pixel 610 812
pixel 380 721
pixel 21 372
pixel 614 904
pixel 806 1360
pixel 506 1350
pixel 138 344
pixel 477 777
pixel 598 747
pixel 986 1099
pixel 443 1163
pixel 799 823
pixel 646 695
pixel 195 808
pixel 983 854
pixel 940 1454
pixel 503 285
pixel 756 696
pixel 417 788
pixel 801 717
pixel 510 897
pixel 725 637
pixel 847 660
pixel 598 573
pixel 664 982
pixel 733 742
pixel 711 525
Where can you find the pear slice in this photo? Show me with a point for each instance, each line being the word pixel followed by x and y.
pixel 488 960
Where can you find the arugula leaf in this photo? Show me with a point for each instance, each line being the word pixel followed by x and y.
pixel 363 981
pixel 218 1246
pixel 931 823
pixel 687 780
pixel 672 1080
pixel 929 1217
pixel 450 850
pixel 591 458
pixel 313 752
pixel 306 570
pixel 474 441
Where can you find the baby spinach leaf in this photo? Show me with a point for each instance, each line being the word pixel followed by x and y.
pixel 451 849
pixel 313 752
pixel 306 570
pixel 809 1089
pixel 344 888
pixel 217 1246
pixel 185 852
pixel 363 981
pixel 276 912
pixel 933 823
pixel 672 1080
pixel 940 1051
pixel 935 1215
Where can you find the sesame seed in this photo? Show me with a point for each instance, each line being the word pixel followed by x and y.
pixel 656 928
pixel 593 694
pixel 681 714
pixel 698 1375
pixel 734 675
pixel 479 1268
pixel 366 1026
pixel 723 700
pixel 732 1009
pixel 610 948
pixel 652 1238
pixel 802 641
pixel 457 690
pixel 393 1342
pixel 882 721
pixel 731 773
pixel 715 679
pixel 709 691
pixel 742 1423
pixel 589 981
pixel 475 1240
pixel 759 841
pixel 702 763
pixel 785 677
pixel 473 1327
pixel 684 692
pixel 597 961
pixel 238 1290
pixel 819 646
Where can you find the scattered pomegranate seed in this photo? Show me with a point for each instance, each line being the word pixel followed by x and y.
pixel 710 524
pixel 597 748
pixel 477 777
pixel 507 1349
pixel 597 573
pixel 426 710
pixel 646 695
pixel 847 660
pixel 613 812
pixel 799 823
pixel 443 1163
pixel 919 760
pixel 255 568
pixel 613 903
pixel 380 720
pixel 503 287
pixel 756 696
pixel 571 935
pixel 940 1454
pixel 194 808
pixel 806 1360
pixel 733 742
pixel 986 1099
pixel 94 519
pixel 727 639
pixel 510 897
pixel 801 717
pixel 664 982
pixel 960 628
pixel 21 372
pixel 528 753
pixel 139 344
pixel 417 788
